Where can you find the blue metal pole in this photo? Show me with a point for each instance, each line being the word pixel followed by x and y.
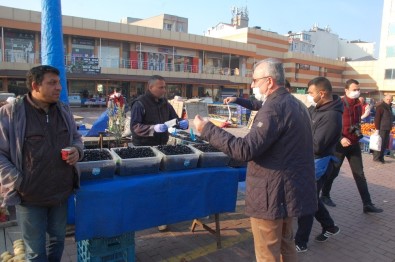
pixel 52 41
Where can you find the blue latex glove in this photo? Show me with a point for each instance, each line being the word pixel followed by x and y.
pixel 184 124
pixel 160 128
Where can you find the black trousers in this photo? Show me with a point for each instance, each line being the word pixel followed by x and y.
pixel 305 223
pixel 354 157
pixel 385 139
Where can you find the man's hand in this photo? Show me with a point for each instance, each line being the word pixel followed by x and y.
pixel 184 124
pixel 345 142
pixel 229 100
pixel 160 128
pixel 73 156
pixel 199 123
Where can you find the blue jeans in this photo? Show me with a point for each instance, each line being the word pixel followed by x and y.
pixel 354 157
pixel 35 223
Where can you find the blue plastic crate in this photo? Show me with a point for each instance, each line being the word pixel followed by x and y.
pixel 114 249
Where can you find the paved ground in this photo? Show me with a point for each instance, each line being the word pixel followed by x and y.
pixel 363 237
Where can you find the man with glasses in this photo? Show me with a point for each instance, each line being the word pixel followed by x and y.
pixel 348 146
pixel 280 182
pixel 34 176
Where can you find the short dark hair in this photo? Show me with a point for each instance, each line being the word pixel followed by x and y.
pixel 118 89
pixel 154 78
pixel 321 83
pixel 36 74
pixel 351 81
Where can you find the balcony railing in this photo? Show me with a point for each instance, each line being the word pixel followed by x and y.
pixel 19 56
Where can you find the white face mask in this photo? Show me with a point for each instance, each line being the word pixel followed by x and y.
pixel 310 99
pixel 354 94
pixel 257 93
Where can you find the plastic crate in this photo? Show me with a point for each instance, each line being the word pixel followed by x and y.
pixel 113 249
pixel 137 166
pixel 92 170
pixel 212 159
pixel 178 162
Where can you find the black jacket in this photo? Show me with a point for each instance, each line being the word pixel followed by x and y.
pixel 147 111
pixel 326 123
pixel 280 173
pixel 383 119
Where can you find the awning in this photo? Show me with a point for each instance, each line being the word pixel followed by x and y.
pixel 135 78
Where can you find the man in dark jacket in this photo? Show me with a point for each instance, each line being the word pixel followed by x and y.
pixel 349 147
pixel 149 114
pixel 34 177
pixel 383 124
pixel 280 178
pixel 326 118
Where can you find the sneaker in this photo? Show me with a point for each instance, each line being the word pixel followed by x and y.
pixel 327 233
pixel 301 248
pixel 371 209
pixel 162 228
pixel 327 201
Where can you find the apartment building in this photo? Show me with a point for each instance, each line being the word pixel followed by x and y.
pixel 102 55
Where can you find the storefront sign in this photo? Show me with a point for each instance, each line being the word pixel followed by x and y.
pixel 85 65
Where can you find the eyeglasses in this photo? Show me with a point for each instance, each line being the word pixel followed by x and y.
pixel 254 81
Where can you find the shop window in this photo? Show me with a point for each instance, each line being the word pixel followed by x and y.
pixel 19 46
pixel 173 90
pixel 389 74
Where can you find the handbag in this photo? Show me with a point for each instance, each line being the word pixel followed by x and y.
pixel 375 142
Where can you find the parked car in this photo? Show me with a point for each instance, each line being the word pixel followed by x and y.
pixel 4 96
pixel 75 100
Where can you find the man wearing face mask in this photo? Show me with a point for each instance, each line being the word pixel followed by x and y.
pixel 349 147
pixel 326 123
pixel 280 181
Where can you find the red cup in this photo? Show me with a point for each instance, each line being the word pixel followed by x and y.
pixel 65 152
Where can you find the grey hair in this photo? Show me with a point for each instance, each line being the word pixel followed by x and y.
pixel 273 67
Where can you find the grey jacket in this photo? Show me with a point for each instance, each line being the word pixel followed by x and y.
pixel 12 135
pixel 280 179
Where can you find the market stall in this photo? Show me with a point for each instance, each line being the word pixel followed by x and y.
pixel 110 207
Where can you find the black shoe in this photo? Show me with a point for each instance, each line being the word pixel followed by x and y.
pixel 300 248
pixel 327 201
pixel 327 233
pixel 371 209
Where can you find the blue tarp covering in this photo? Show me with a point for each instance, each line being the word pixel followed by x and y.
pixel 100 125
pixel 110 207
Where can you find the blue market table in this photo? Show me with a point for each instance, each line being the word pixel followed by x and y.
pixel 111 207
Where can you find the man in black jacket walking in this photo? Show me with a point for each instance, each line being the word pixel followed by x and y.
pixel 326 117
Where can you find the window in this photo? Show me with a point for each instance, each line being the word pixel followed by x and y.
pixel 180 28
pixel 391 29
pixel 167 26
pixel 390 51
pixel 389 74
